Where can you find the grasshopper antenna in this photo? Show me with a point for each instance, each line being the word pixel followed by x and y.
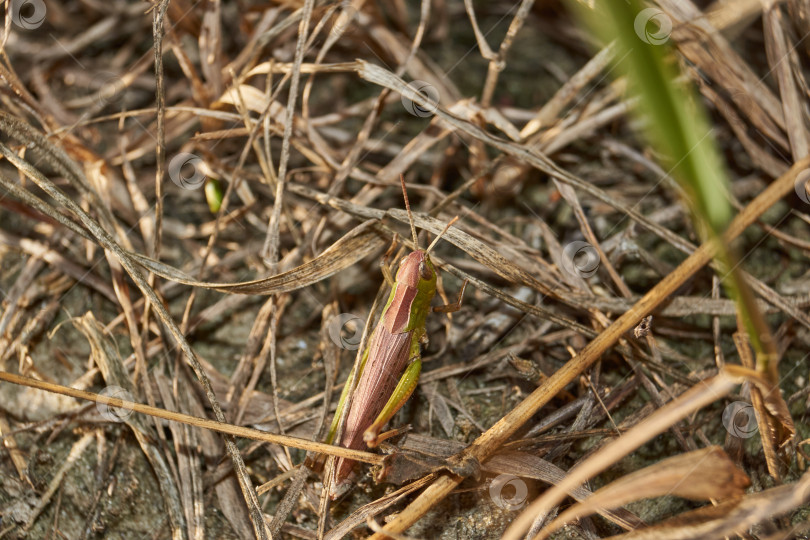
pixel 436 240
pixel 408 207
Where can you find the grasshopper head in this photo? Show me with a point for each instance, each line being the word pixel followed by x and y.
pixel 416 270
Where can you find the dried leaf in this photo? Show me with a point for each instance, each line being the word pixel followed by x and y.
pixel 253 98
pixel 730 518
pixel 421 454
pixel 700 475
pixel 360 242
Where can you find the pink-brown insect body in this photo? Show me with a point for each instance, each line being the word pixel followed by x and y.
pixel 394 343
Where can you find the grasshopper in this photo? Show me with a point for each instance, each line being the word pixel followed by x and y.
pixel 393 349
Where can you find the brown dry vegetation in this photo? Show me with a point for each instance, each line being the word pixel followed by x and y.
pixel 595 347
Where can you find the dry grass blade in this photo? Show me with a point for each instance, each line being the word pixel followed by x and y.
pixel 700 475
pixel 362 241
pixel 189 471
pixel 702 44
pixel 778 49
pixel 772 414
pixel 160 148
pixel 106 356
pixel 271 243
pixel 729 518
pixel 219 427
pixel 10 444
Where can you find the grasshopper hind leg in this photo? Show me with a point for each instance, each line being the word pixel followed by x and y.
pixel 404 389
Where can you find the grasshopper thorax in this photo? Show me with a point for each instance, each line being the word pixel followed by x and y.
pixel 410 297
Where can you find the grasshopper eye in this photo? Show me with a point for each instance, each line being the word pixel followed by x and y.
pixel 424 271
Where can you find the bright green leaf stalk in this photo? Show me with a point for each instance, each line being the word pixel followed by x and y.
pixel 213 194
pixel 676 125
